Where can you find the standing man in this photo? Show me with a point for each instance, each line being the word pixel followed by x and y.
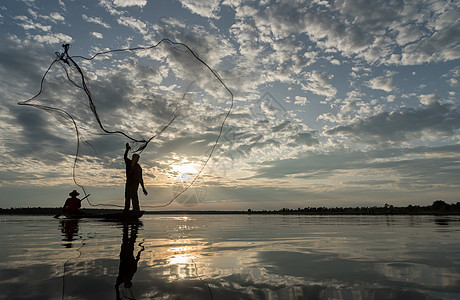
pixel 133 178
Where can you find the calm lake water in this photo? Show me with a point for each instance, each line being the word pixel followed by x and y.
pixel 231 257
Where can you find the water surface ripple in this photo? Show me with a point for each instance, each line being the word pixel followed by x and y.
pixel 231 257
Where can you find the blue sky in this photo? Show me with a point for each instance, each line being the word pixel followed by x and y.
pixel 336 103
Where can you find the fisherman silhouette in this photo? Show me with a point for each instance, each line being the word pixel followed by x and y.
pixel 133 179
pixel 72 204
pixel 128 263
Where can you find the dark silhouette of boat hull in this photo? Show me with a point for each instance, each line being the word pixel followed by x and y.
pixel 116 216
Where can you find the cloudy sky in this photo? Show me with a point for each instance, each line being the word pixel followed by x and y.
pixel 336 103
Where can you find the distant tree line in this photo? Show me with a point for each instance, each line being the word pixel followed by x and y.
pixel 438 207
pixel 30 211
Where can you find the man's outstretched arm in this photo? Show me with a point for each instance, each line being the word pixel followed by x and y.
pixel 126 152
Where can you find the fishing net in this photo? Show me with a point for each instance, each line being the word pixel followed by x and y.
pixel 163 99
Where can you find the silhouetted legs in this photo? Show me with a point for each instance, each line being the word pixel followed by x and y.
pixel 131 194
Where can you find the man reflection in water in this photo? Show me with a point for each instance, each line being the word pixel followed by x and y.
pixel 69 229
pixel 128 263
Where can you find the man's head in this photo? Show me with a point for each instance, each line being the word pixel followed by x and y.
pixel 136 158
pixel 74 193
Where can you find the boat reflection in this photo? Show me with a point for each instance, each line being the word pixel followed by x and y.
pixel 128 262
pixel 69 229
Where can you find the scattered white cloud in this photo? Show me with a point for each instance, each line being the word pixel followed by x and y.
pixel 319 84
pixel 207 9
pixel 28 24
pixel 62 5
pixel 127 3
pixel 54 38
pixel 95 20
pixel 384 83
pixel 33 13
pixel 300 100
pixel 97 35
pixel 110 7
pixel 455 72
pixel 54 17
pixel 429 99
pixel 57 17
pixel 335 61
pixel 132 23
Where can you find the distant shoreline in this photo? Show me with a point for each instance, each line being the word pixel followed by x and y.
pixel 438 207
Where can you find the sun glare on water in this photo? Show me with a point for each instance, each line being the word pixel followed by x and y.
pixel 180 259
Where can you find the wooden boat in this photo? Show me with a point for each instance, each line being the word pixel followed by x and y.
pixel 116 216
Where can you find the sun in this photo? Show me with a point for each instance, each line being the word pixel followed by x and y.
pixel 186 175
pixel 185 167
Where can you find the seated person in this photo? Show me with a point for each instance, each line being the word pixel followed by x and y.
pixel 72 204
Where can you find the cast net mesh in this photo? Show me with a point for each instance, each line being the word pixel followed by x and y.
pixel 166 101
